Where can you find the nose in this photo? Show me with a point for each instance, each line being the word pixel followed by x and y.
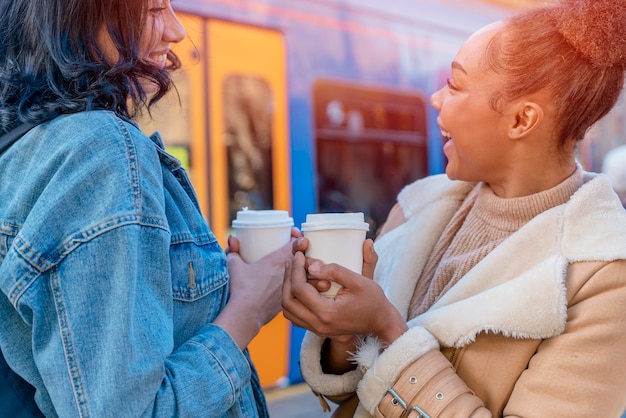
pixel 436 98
pixel 174 30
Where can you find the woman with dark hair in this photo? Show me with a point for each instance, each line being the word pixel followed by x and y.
pixel 500 287
pixel 117 299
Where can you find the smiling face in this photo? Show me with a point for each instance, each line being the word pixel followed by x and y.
pixel 477 144
pixel 160 29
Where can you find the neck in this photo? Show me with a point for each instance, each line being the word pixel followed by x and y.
pixel 526 180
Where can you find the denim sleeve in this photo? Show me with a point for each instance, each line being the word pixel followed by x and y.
pixel 105 340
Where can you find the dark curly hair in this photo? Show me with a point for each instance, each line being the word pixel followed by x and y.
pixel 574 49
pixel 51 64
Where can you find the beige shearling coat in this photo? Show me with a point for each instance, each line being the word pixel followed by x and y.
pixel 535 329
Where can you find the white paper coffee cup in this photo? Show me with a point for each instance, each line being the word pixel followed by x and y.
pixel 261 231
pixel 336 238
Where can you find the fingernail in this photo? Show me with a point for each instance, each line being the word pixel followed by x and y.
pixel 315 267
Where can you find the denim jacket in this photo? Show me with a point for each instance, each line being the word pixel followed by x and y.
pixel 111 279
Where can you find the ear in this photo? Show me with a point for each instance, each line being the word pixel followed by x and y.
pixel 529 115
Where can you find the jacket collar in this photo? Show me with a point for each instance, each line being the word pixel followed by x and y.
pixel 519 288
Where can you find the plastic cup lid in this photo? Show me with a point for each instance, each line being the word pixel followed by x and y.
pixel 270 218
pixel 319 221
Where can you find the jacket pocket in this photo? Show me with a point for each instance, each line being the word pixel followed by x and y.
pixel 199 286
pixel 197 269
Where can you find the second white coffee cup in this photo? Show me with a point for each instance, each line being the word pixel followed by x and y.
pixel 336 238
pixel 261 231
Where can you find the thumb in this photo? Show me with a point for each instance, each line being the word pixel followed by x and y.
pixel 233 245
pixel 333 272
pixel 370 258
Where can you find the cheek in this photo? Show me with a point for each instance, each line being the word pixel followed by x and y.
pixel 457 117
pixel 150 37
pixel 471 119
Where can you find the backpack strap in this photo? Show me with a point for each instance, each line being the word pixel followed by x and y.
pixel 14 134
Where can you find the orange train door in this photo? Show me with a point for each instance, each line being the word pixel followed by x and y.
pixel 248 148
pixel 229 129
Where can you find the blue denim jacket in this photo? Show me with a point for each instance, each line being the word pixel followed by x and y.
pixel 111 279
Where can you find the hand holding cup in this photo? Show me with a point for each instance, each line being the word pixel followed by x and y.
pixel 336 238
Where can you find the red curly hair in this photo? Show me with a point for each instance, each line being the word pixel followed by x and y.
pixel 576 50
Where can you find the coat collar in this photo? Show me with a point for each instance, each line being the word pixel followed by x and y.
pixel 519 288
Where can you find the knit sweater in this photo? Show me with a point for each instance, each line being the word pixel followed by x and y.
pixel 482 222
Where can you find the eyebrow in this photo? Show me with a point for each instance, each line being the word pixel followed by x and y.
pixel 458 66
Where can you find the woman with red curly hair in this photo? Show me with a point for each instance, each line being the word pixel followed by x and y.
pixel 500 287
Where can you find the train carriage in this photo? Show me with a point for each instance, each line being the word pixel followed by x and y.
pixel 313 106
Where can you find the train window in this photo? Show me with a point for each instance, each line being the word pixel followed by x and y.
pixel 370 142
pixel 248 140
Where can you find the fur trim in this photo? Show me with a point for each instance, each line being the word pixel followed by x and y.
pixel 436 198
pixel 593 224
pixel 385 370
pixel 501 305
pixel 367 352
pixel 311 369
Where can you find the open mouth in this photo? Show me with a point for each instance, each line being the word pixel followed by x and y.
pixel 158 59
pixel 446 136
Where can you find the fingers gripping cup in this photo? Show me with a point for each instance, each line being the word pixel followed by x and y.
pixel 261 231
pixel 336 238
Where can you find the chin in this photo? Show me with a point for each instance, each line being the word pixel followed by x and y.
pixel 149 87
pixel 451 173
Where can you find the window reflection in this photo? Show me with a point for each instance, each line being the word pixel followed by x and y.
pixel 370 143
pixel 248 140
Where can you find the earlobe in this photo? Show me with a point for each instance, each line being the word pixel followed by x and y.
pixel 527 118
